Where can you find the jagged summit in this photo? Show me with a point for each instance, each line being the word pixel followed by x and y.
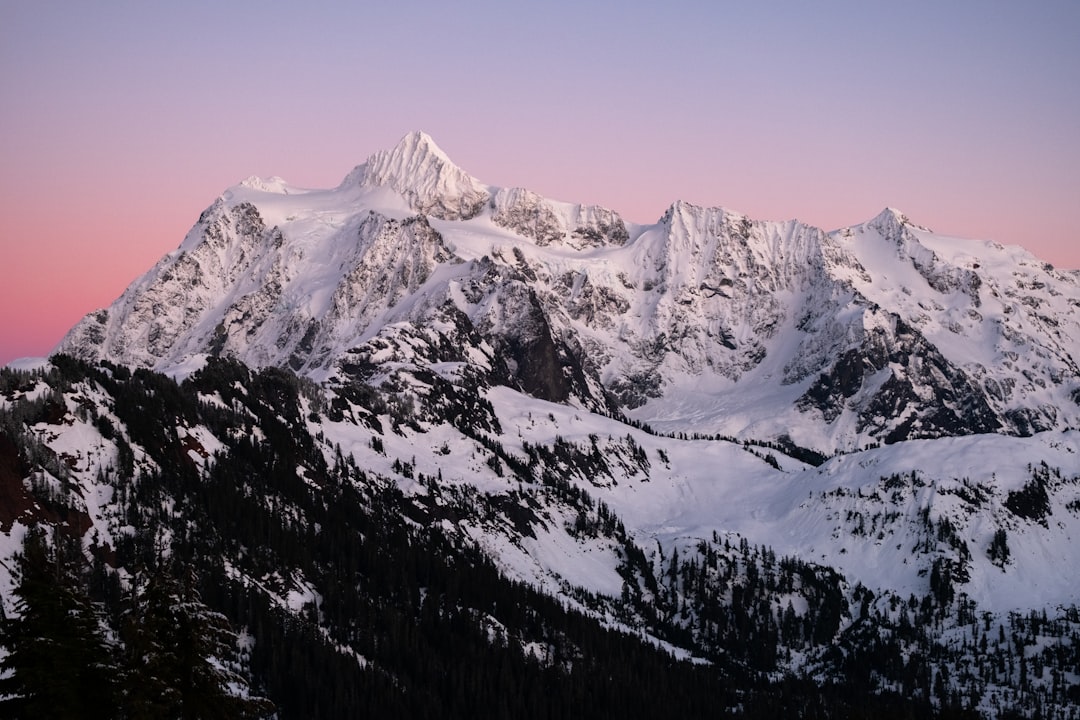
pixel 414 157
pixel 424 175
pixel 891 223
pixel 891 214
pixel 420 143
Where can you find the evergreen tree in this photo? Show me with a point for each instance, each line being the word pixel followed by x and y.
pixel 183 656
pixel 999 548
pixel 59 663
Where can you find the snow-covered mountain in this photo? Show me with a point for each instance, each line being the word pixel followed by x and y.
pixel 706 321
pixel 638 419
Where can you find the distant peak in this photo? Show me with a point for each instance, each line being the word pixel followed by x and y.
pixel 419 141
pixel 689 209
pixel 679 207
pixel 418 170
pixel 414 153
pixel 891 222
pixel 891 215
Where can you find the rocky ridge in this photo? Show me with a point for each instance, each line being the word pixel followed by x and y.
pixel 707 319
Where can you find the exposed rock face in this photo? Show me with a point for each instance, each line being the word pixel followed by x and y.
pixel 546 222
pixel 157 313
pixel 528 347
pixel 901 388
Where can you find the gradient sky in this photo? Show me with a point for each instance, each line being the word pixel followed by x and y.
pixel 121 121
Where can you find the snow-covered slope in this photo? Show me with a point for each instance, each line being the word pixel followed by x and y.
pixel 707 546
pixel 882 517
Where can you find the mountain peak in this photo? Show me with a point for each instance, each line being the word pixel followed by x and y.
pixel 419 142
pixel 890 220
pixel 414 153
pixel 890 216
pixel 418 170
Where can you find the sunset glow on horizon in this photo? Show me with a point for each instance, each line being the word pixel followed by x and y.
pixel 123 121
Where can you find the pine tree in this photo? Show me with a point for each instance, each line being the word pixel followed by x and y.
pixel 182 656
pixel 999 548
pixel 149 658
pixel 59 663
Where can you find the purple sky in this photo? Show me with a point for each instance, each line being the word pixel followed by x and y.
pixel 121 121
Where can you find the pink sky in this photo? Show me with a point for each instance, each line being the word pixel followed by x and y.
pixel 120 123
